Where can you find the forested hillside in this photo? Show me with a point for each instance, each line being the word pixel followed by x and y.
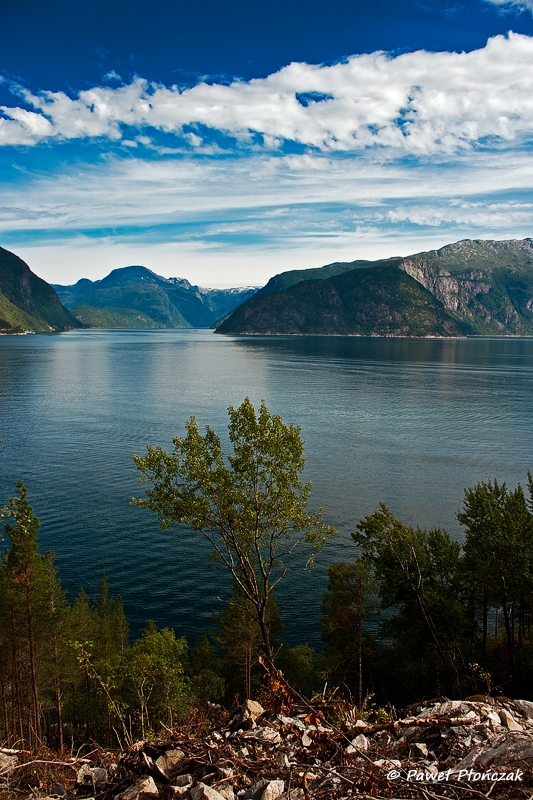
pixel 27 303
pixel 469 288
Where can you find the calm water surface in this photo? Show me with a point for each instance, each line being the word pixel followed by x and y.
pixel 408 422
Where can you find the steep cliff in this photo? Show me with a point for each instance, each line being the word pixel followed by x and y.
pixel 27 303
pixel 471 287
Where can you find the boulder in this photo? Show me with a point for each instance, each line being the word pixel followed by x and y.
pixel 226 790
pixel 252 709
pixel 266 735
pixel 183 780
pixel 144 788
pixel 509 748
pixel 203 792
pixel 508 721
pixel 418 750
pixel 274 790
pixel 91 776
pixel 255 792
pixel 170 762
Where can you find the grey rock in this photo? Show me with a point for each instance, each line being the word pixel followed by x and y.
pixel 170 762
pixel 306 740
pixel 84 776
pixel 203 792
pixel 274 790
pixel 361 742
pixel 226 790
pixel 508 721
pixel 266 735
pixel 91 776
pixel 511 747
pixel 418 750
pixel 145 787
pixel 252 709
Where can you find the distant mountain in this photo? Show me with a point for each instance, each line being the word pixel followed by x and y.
pixel 135 297
pixel 472 287
pixel 27 303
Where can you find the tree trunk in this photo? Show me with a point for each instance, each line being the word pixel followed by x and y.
pixel 33 664
pixel 265 633
pixel 485 618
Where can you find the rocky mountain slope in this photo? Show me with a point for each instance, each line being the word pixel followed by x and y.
pixel 472 287
pixel 27 303
pixel 135 297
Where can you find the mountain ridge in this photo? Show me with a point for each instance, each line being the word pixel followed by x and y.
pixel 127 292
pixel 483 287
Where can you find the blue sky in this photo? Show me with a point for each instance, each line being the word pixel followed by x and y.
pixel 227 141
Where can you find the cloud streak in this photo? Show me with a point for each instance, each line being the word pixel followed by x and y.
pixel 510 5
pixel 417 103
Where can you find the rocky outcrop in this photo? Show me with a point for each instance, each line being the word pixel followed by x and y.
pixel 435 279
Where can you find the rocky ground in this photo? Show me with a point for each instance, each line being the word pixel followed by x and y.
pixel 482 747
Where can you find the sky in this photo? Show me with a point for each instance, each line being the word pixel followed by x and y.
pixel 225 141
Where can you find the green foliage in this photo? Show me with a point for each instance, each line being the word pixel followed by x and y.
pixel 251 507
pixel 498 567
pixel 26 301
pixel 32 612
pixel 382 301
pixel 416 572
pixel 347 604
pixel 205 669
pixel 240 638
pixel 155 689
pixel 299 667
pixel 113 317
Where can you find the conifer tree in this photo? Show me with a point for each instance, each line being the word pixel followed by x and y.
pixel 30 599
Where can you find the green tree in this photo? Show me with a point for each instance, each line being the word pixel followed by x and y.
pixel 204 666
pixel 240 639
pixel 251 506
pixel 155 689
pixel 299 667
pixel 417 578
pixel 347 604
pixel 498 558
pixel 31 610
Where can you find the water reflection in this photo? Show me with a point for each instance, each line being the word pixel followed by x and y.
pixel 408 422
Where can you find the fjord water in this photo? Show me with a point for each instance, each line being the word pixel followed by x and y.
pixel 404 421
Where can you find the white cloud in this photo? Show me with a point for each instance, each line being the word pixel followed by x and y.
pixel 420 103
pixel 509 5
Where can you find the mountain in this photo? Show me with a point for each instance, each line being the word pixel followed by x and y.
pixel 472 287
pixel 27 303
pixel 135 297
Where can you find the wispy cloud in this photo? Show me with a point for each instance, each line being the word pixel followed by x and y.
pixel 512 5
pixel 231 182
pixel 417 103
